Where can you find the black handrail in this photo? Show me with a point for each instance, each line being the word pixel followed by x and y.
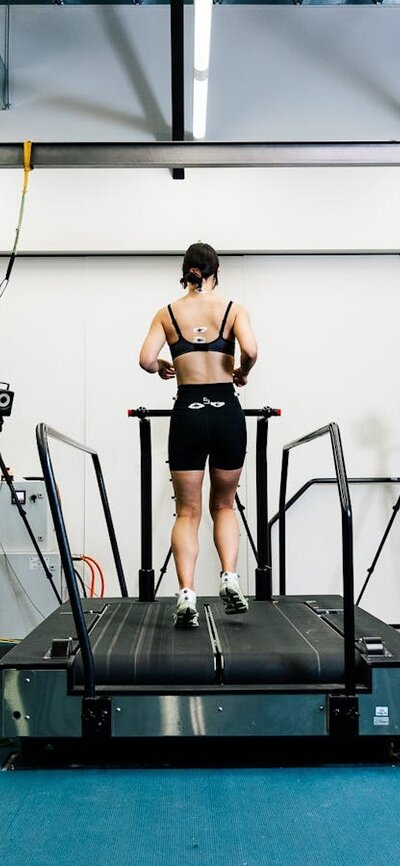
pixel 142 412
pixel 43 433
pixel 347 541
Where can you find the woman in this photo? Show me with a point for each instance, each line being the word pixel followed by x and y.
pixel 207 420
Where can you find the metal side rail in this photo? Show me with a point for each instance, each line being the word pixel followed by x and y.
pixel 331 430
pixel 43 434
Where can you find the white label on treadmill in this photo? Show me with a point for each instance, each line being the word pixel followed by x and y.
pixel 381 711
pixel 34 562
pixel 381 720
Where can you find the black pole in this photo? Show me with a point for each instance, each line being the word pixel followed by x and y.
pixel 110 525
pixel 163 570
pixel 146 572
pixel 241 510
pixel 263 570
pixel 371 569
pixel 177 77
pixel 282 522
pixel 22 513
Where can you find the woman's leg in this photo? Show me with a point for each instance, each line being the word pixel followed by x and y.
pixel 224 484
pixel 185 545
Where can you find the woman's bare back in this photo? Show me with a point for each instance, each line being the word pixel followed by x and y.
pixel 199 317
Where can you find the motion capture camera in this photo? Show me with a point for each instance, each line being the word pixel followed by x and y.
pixel 6 399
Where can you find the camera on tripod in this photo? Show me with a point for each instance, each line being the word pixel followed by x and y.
pixel 6 399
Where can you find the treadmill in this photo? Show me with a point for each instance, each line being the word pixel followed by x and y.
pixel 115 669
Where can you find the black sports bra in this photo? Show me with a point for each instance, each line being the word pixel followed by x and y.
pixel 182 346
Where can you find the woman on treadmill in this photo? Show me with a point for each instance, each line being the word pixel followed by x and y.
pixel 207 420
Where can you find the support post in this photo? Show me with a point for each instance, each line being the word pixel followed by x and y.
pixel 5 62
pixel 146 572
pixel 177 78
pixel 263 570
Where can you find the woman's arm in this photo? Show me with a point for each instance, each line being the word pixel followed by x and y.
pixel 248 346
pixel 149 352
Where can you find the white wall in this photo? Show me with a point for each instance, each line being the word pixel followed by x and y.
pixel 327 329
pixel 255 210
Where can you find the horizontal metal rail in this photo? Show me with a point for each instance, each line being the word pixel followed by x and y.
pixel 190 2
pixel 187 154
pixel 43 433
pixel 332 430
pixel 142 412
pixel 306 486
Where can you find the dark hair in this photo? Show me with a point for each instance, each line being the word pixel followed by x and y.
pixel 199 257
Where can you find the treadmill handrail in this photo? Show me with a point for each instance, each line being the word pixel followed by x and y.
pixel 43 433
pixel 333 431
pixel 142 412
pixel 378 479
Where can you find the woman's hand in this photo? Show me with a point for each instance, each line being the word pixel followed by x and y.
pixel 238 378
pixel 166 370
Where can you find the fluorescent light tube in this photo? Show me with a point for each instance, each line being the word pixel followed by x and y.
pixel 202 39
pixel 200 91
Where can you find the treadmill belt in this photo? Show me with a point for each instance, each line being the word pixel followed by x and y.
pixel 278 643
pixel 136 643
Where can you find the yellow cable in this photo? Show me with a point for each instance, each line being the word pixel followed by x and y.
pixel 27 164
pixel 27 169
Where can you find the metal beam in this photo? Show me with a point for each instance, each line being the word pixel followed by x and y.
pixel 220 2
pixel 203 154
pixel 177 77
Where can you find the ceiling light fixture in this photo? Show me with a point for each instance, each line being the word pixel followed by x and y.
pixel 202 39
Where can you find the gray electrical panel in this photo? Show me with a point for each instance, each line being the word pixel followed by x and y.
pixel 26 594
pixel 33 498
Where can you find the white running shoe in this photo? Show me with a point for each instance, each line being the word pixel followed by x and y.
pixel 186 615
pixel 231 594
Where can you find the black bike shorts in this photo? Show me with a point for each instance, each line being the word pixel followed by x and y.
pixel 207 421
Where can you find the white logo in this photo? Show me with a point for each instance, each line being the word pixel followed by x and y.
pixel 206 402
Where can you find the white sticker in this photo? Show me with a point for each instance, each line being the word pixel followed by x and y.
pixel 381 711
pixel 381 720
pixel 34 562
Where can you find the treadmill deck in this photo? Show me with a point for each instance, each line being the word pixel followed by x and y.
pixel 277 671
pixel 292 641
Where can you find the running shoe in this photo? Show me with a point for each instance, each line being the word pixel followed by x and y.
pixel 186 615
pixel 231 594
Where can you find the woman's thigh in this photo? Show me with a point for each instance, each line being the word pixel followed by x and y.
pixel 187 488
pixel 224 484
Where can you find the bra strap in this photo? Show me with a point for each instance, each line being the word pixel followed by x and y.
pixel 226 314
pixel 174 322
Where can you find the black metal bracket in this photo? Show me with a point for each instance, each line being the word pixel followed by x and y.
pixel 61 648
pixel 96 718
pixel 343 715
pixel 373 647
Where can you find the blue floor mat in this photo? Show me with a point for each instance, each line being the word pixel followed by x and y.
pixel 329 816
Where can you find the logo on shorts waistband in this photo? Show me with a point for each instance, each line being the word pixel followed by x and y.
pixel 206 402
